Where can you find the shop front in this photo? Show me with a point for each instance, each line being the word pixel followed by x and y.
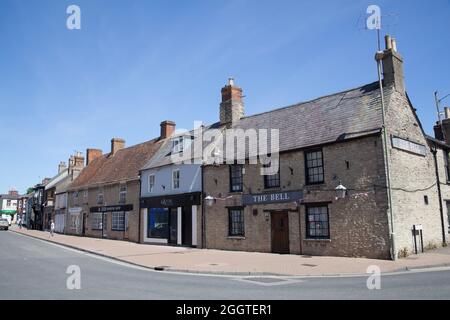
pixel 74 220
pixel 171 219
pixel 109 222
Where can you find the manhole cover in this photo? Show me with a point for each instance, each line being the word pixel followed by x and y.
pixel 265 280
pixel 309 265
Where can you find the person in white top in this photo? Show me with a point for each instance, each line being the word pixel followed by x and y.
pixel 52 228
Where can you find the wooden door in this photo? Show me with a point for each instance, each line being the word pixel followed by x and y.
pixel 280 232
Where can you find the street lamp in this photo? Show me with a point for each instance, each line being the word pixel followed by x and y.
pixel 341 191
pixel 209 200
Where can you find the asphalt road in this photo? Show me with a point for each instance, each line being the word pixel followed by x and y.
pixel 35 269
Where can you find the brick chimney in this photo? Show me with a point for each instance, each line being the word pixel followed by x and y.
pixel 76 164
pixel 167 129
pixel 116 145
pixel 61 166
pixel 92 154
pixel 232 106
pixel 392 65
pixel 13 192
pixel 445 125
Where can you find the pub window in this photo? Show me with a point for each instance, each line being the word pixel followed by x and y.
pixel 236 178
pixel 272 181
pixel 85 194
pixel 314 167
pixel 176 179
pixel 317 222
pixel 236 222
pixel 151 183
pixel 100 197
pixel 97 221
pixel 118 221
pixel 123 193
pixel 8 203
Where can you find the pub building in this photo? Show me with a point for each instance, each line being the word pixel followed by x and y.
pixel 171 196
pixel 103 201
pixel 330 195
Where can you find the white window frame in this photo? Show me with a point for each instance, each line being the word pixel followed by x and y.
pixel 100 193
pixel 123 192
pixel 151 186
pixel 177 145
pixel 175 179
pixel 97 221
pixel 118 221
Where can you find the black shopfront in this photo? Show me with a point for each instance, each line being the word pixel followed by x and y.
pixel 171 219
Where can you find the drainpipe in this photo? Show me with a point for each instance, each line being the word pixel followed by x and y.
pixel 140 210
pixel 203 212
pixel 379 57
pixel 438 182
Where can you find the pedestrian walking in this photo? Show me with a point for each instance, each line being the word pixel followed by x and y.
pixel 20 223
pixel 52 228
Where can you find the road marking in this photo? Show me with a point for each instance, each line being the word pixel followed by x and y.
pixel 230 276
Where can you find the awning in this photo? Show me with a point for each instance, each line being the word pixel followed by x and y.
pixel 10 212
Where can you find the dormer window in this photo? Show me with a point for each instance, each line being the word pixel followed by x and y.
pixel 177 145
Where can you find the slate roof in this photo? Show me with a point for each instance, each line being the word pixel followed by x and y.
pixel 123 165
pixel 332 118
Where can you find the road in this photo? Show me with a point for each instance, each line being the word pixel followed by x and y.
pixel 35 269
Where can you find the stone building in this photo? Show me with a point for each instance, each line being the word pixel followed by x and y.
pixel 341 189
pixel 103 201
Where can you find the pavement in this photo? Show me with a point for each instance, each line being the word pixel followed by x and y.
pixel 36 269
pixel 209 261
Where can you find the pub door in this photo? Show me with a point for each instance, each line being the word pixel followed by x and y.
pixel 280 232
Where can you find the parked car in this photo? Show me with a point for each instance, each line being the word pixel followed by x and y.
pixel 4 224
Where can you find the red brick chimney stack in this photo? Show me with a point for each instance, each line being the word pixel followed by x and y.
pixel 167 129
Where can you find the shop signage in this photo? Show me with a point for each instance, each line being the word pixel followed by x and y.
pixel 276 197
pixel 74 210
pixel 173 201
pixel 409 146
pixel 125 207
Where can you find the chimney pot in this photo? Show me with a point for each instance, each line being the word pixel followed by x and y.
pixel 392 65
pixel 167 129
pixel 388 42
pixel 447 112
pixel 116 145
pixel 61 167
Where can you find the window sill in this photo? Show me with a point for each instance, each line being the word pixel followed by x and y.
pixel 236 237
pixel 317 240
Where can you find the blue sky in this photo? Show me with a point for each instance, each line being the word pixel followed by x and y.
pixel 135 63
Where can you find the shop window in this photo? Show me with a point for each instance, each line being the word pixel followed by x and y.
pixel 236 178
pixel 118 221
pixel 176 179
pixel 123 193
pixel 97 221
pixel 158 223
pixel 317 222
pixel 151 183
pixel 236 222
pixel 314 167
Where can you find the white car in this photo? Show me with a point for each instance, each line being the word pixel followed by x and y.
pixel 7 217
pixel 4 224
